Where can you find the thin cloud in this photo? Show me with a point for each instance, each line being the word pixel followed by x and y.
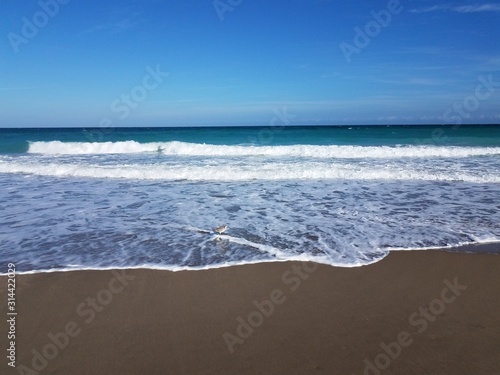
pixel 473 8
pixel 118 20
pixel 433 8
pixel 414 81
pixel 113 27
pixel 477 8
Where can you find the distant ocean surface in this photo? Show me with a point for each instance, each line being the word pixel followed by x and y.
pixel 146 197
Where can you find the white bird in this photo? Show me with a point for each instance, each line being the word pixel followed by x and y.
pixel 221 229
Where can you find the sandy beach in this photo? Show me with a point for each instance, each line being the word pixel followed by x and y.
pixel 415 312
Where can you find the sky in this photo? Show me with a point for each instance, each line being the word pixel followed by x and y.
pixel 76 63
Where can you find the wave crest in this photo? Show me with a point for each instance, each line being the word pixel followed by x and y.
pixel 310 151
pixel 268 171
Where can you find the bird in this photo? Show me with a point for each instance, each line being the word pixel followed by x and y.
pixel 221 229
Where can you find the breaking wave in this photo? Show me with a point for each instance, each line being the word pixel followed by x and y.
pixel 235 172
pixel 310 151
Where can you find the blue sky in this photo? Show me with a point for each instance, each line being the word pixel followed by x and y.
pixel 238 62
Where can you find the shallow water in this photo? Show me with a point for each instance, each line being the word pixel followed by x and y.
pixel 78 205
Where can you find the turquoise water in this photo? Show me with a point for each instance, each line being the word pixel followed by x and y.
pixel 16 140
pixel 344 196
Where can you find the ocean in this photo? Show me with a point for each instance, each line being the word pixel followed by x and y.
pixel 149 197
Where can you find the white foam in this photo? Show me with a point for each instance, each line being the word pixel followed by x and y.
pixel 300 258
pixel 86 148
pixel 234 172
pixel 352 203
pixel 100 224
pixel 310 151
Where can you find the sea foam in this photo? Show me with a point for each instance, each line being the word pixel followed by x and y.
pixel 310 151
pixel 232 171
pixel 70 205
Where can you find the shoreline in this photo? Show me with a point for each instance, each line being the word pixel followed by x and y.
pixel 491 247
pixel 267 318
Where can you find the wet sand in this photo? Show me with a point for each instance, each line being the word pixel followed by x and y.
pixel 414 312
